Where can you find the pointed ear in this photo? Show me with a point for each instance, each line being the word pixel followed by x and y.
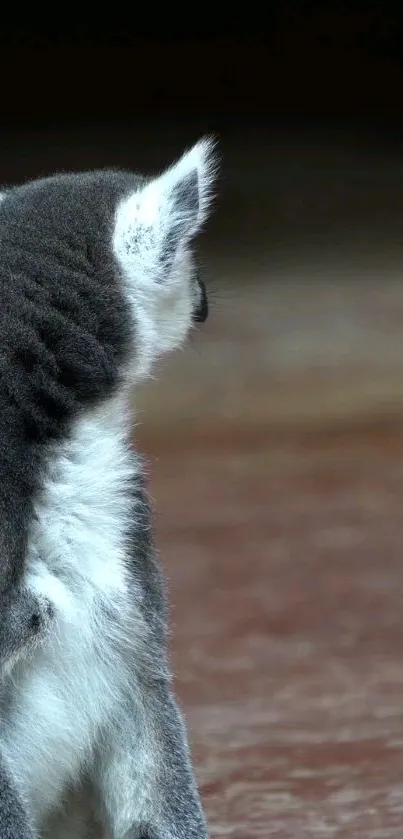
pixel 158 220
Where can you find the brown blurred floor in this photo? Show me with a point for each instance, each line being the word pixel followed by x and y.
pixel 279 510
pixel 286 574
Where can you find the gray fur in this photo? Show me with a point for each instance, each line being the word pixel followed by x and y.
pixel 27 621
pixel 14 823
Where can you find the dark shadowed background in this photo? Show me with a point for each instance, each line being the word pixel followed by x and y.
pixel 276 439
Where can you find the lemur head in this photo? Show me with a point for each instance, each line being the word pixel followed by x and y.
pixel 152 241
pixel 95 231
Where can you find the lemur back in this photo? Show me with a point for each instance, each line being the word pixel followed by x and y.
pixel 98 281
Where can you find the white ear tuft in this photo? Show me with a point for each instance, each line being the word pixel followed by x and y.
pixel 192 179
pixel 160 219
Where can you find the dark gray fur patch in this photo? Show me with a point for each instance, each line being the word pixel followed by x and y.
pixel 64 330
pixel 14 820
pixel 185 208
pixel 185 196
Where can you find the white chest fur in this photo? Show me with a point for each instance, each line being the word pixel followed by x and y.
pixel 67 691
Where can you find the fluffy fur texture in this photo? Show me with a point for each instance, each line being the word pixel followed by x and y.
pixel 97 281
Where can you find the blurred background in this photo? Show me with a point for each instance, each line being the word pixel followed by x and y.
pixel 275 440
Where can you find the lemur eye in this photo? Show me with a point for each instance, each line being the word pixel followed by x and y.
pixel 200 313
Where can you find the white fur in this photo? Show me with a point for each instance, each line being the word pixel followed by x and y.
pixel 162 304
pixel 64 694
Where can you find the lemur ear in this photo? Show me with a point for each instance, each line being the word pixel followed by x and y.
pixel 154 223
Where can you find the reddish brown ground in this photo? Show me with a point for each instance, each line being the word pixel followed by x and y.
pixel 285 568
pixel 280 526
